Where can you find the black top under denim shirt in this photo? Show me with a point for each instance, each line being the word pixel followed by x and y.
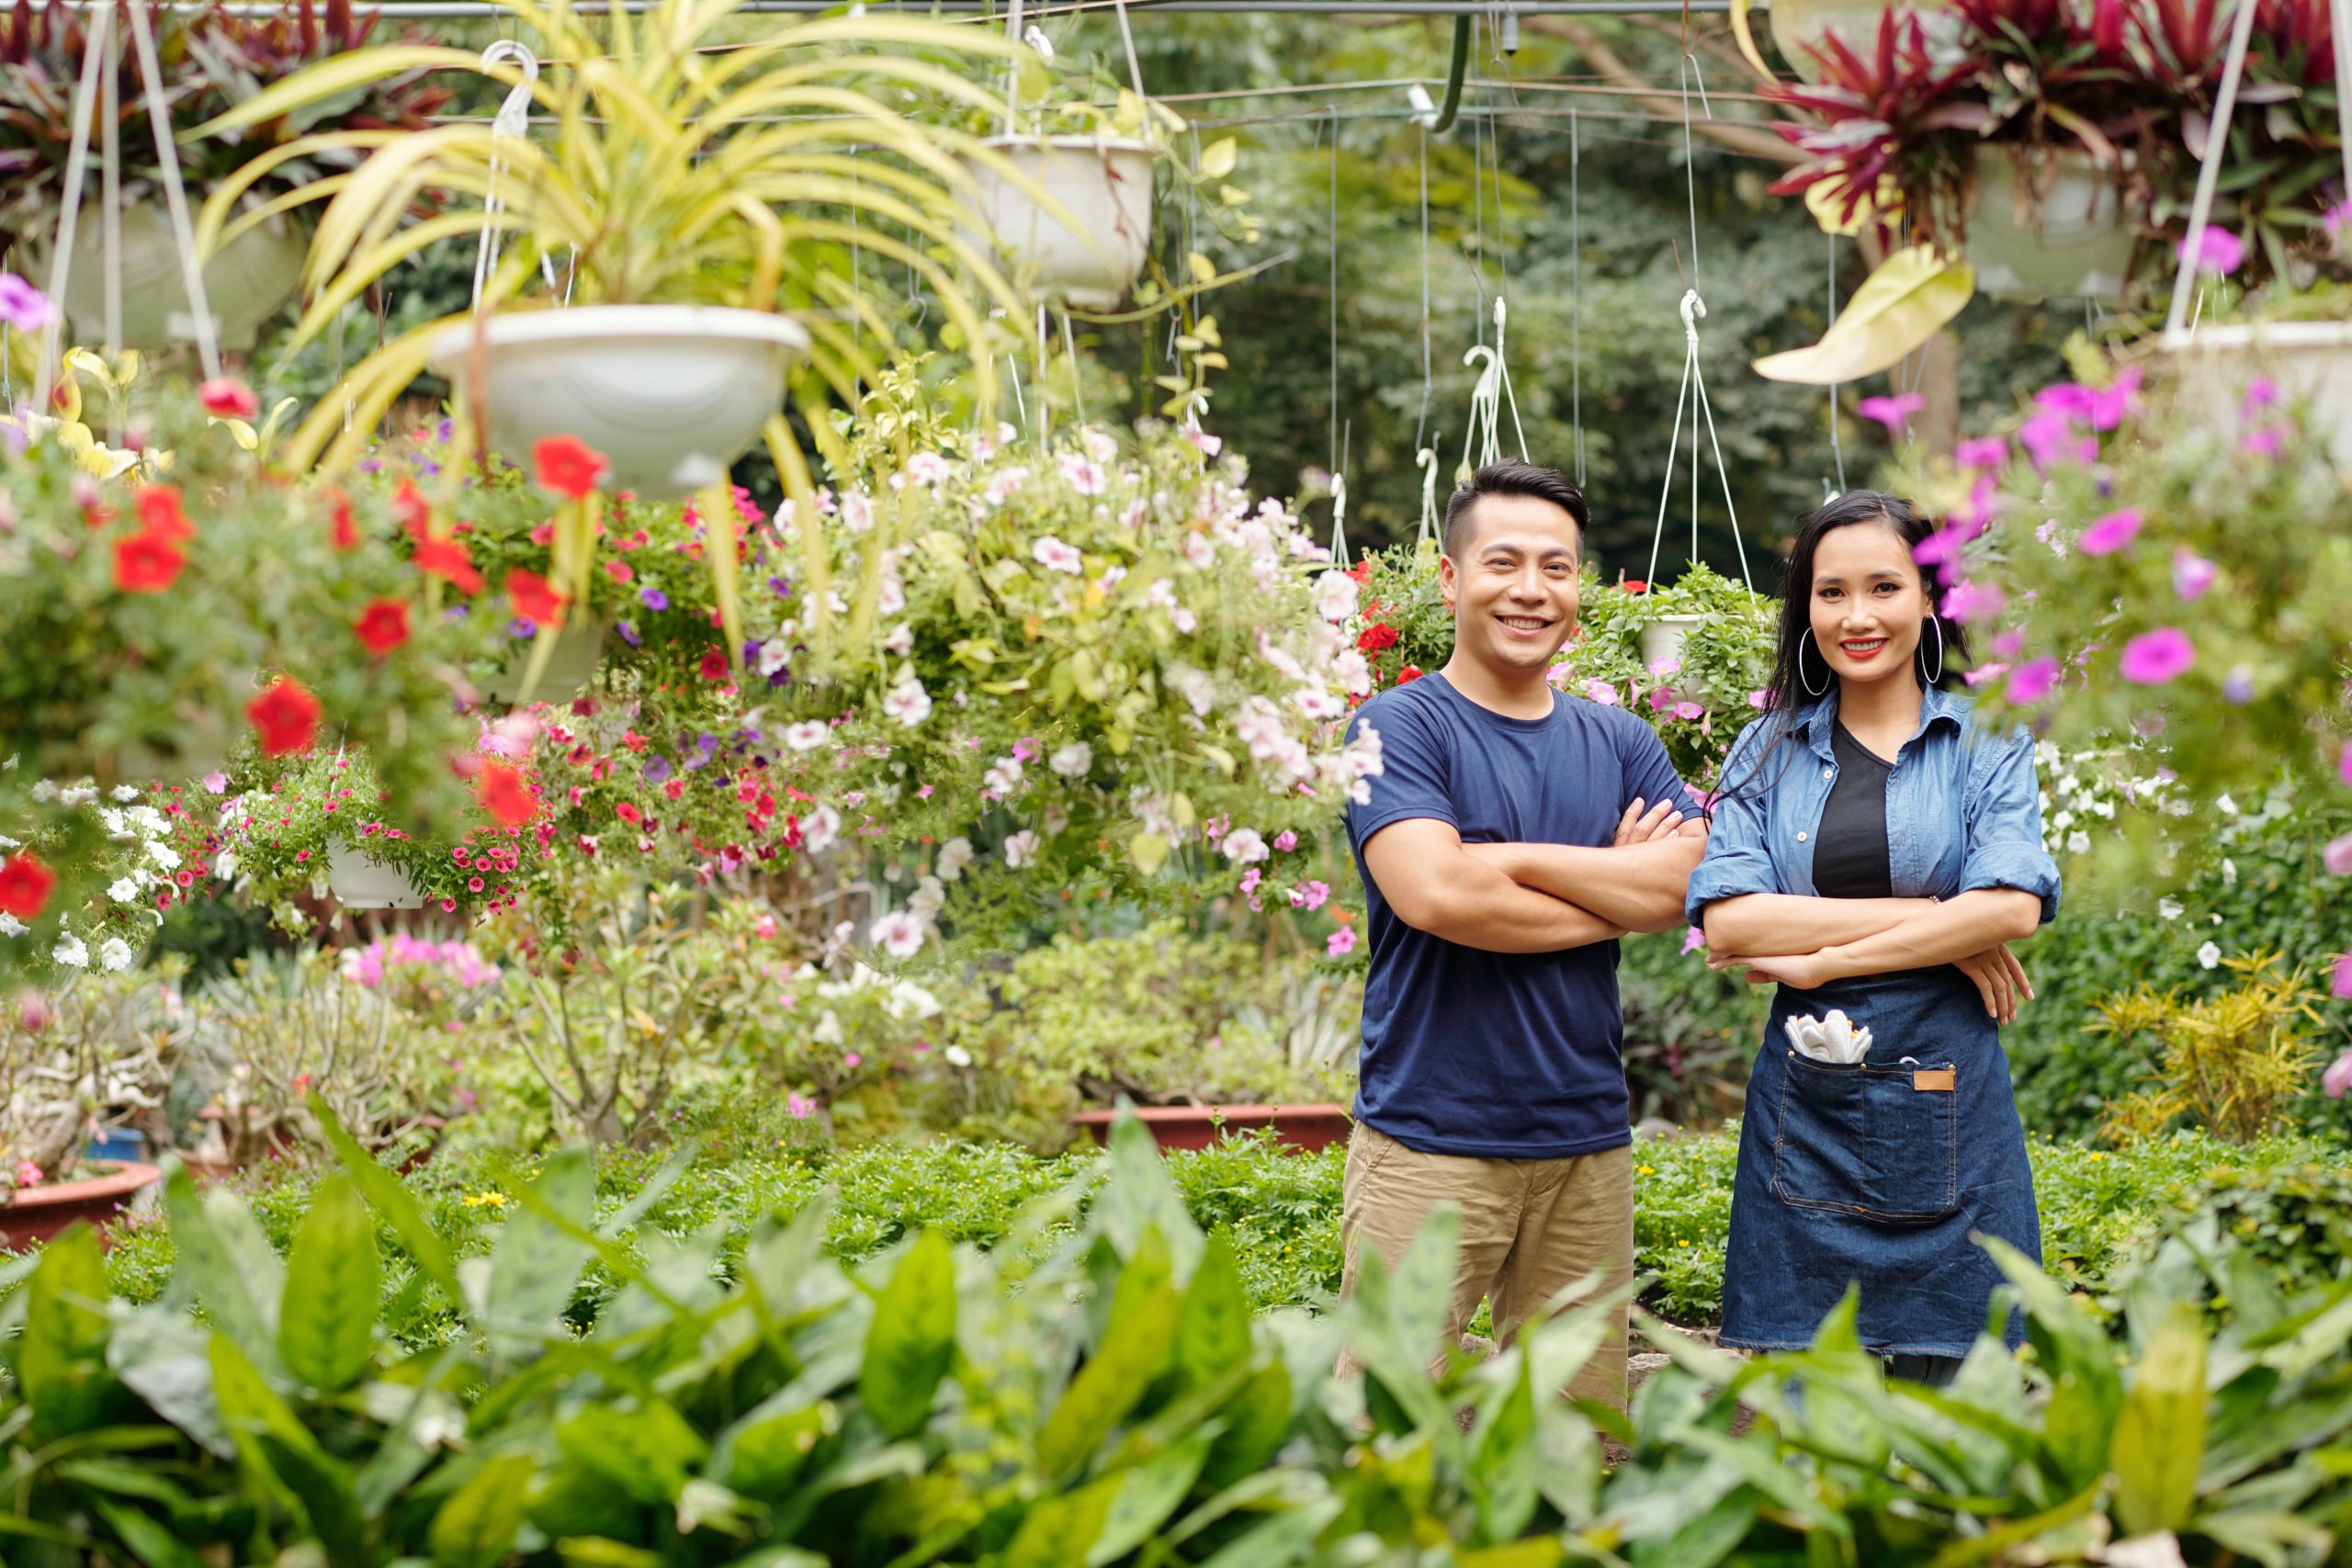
pixel 1849 853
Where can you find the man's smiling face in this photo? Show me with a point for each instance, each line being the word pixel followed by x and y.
pixel 1513 588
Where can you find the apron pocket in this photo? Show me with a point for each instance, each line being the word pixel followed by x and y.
pixel 1878 1143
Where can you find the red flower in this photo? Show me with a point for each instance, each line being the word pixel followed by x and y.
pixel 448 558
pixel 1376 637
pixel 383 625
pixel 346 526
pixel 286 715
pixel 414 512
pixel 160 513
pixel 713 664
pixel 568 465
pixel 1410 672
pixel 146 563
pixel 1634 585
pixel 25 885
pixel 628 813
pixel 1362 569
pixel 505 794
pixel 228 397
pixel 535 599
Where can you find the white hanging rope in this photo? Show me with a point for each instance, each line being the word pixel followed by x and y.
pixel 1127 36
pixel 1836 450
pixel 1340 556
pixel 1693 388
pixel 1431 528
pixel 2208 171
pixel 77 160
pixel 1482 442
pixel 167 154
pixel 1575 296
pixel 110 214
pixel 512 120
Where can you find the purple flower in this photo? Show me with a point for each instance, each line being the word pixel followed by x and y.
pixel 629 634
pixel 2032 682
pixel 1974 601
pixel 22 306
pixel 2008 645
pixel 779 587
pixel 654 598
pixel 521 627
pixel 2165 654
pixel 2072 398
pixel 657 768
pixel 1985 452
pixel 2192 574
pixel 2051 438
pixel 2215 250
pixel 1893 412
pixel 2239 687
pixel 2111 533
pixel 2261 392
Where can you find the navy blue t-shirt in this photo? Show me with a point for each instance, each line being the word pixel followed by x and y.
pixel 1510 1056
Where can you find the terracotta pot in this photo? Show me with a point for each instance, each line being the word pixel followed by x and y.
pixel 39 1213
pixel 1307 1127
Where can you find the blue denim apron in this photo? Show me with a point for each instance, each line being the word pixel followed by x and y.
pixel 1879 1174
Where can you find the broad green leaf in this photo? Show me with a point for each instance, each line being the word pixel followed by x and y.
pixel 1060 1531
pixel 1139 1194
pixel 1421 1290
pixel 154 1545
pixel 162 1355
pixel 1219 157
pixel 1901 305
pixel 207 1259
pixel 2079 1427
pixel 1535 1552
pixel 1507 1477
pixel 393 1204
pixel 762 1455
pixel 275 1443
pixel 1133 1353
pixel 476 1527
pixel 2160 1433
pixel 1213 1325
pixel 334 1283
pixel 61 1360
pixel 1148 1494
pixel 648 1452
pixel 1285 1538
pixel 1368 1327
pixel 534 1267
pixel 911 1342
pixel 1256 1424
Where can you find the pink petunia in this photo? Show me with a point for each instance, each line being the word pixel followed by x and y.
pixel 1985 452
pixel 2343 987
pixel 2216 250
pixel 1985 673
pixel 2033 682
pixel 2338 1077
pixel 2111 532
pixel 1340 943
pixel 1694 939
pixel 2267 442
pixel 2192 574
pixel 1893 412
pixel 2262 392
pixel 2008 645
pixel 2051 438
pixel 1601 692
pixel 1974 601
pixel 2344 764
pixel 2338 856
pixel 2153 658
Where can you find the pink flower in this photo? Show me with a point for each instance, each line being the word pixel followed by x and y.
pixel 1985 673
pixel 2051 438
pixel 1974 601
pixel 215 784
pixel 2338 1078
pixel 2344 764
pixel 1689 712
pixel 2009 644
pixel 1340 943
pixel 2267 442
pixel 1055 556
pixel 1760 698
pixel 2338 222
pixel 2111 533
pixel 2338 856
pixel 1601 692
pixel 2192 574
pixel 852 1060
pixel 1285 841
pixel 25 309
pixel 2153 658
pixel 2216 250
pixel 1985 452
pixel 1310 895
pixel 2032 682
pixel 1693 941
pixel 2342 986
pixel 28 1173
pixel 1893 412
pixel 2260 393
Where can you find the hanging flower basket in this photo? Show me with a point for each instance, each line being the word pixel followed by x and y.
pixel 2307 361
pixel 1103 183
pixel 1662 638
pixel 578 648
pixel 246 283
pixel 41 1213
pixel 359 883
pixel 2082 247
pixel 1800 26
pixel 669 394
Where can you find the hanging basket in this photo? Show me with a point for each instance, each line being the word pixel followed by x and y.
pixel 1662 638
pixel 359 883
pixel 2082 247
pixel 2309 362
pixel 245 283
pixel 669 394
pixel 579 648
pixel 1105 185
pixel 1800 26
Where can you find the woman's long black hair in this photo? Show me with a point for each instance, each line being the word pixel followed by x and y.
pixel 1786 693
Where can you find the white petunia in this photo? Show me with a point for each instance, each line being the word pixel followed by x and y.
pixel 927 468
pixel 1317 703
pixel 808 734
pixel 2228 873
pixel 775 654
pixel 1055 556
pixel 115 953
pixel 1083 476
pixel 899 934
pixel 1246 846
pixel 2226 807
pixel 929 898
pixel 126 792
pixel 11 926
pixel 901 641
pixel 957 1056
pixel 226 865
pixel 1335 595
pixel 953 856
pixel 2169 908
pixel 2209 955
pixel 907 703
pixel 1003 483
pixel 70 951
pixel 829 1029
pixel 1020 849
pixel 124 891
pixel 857 512
pixel 1072 760
pixel 2078 842
pixel 1003 778
pixel 165 856
pixel 819 828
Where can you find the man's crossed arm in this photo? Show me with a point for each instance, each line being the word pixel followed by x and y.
pixel 1537 898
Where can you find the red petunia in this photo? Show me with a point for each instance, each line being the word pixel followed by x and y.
pixel 160 512
pixel 713 664
pixel 628 813
pixel 568 465
pixel 534 597
pixel 346 526
pixel 416 512
pixel 287 717
pixel 1376 637
pixel 505 792
pixel 25 885
pixel 448 558
pixel 146 563
pixel 1634 585
pixel 229 398
pixel 1410 672
pixel 1362 569
pixel 383 625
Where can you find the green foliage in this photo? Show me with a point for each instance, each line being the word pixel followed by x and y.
pixel 2231 1063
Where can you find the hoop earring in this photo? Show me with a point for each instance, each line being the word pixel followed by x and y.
pixel 1812 690
pixel 1936 622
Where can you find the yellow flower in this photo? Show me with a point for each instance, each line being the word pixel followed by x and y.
pixel 1646 1170
pixel 1684 1242
pixel 486 1201
pixel 2099 1154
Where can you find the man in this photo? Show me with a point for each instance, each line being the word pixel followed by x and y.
pixel 1512 836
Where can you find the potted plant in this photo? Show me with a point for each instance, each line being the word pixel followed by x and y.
pixel 1802 28
pixel 212 59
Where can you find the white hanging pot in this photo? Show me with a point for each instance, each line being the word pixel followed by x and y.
pixel 1799 26
pixel 245 283
pixel 572 664
pixel 669 394
pixel 1089 261
pixel 2082 247
pixel 1662 638
pixel 2308 362
pixel 359 883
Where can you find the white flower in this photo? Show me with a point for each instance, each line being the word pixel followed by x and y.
pixel 2103 809
pixel 1352 670
pixel 1072 760
pixel 2169 908
pixel 124 891
pixel 1317 703
pixel 901 641
pixel 899 934
pixel 226 865
pixel 907 703
pixel 1002 483
pixel 1198 687
pixel 11 926
pixel 829 1029
pixel 77 794
pixel 115 953
pixel 2210 957
pixel 2063 820
pixel 165 856
pixel 929 897
pixel 1335 595
pixel 910 1003
pixel 1099 446
pixel 927 468
pixel 775 654
pixel 1003 778
pixel 2226 807
pixel 1082 476
pixel 953 856
pixel 819 828
pixel 1020 849
pixel 957 1056
pixel 70 951
pixel 1246 846
pixel 808 734
pixel 1200 549
pixel 126 792
pixel 857 512
pixel 2078 842
pixel 2228 873
pixel 1055 556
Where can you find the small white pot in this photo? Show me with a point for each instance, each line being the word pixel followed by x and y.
pixel 359 883
pixel 1797 24
pixel 1089 261
pixel 1662 638
pixel 245 283
pixel 669 394
pixel 578 648
pixel 2309 361
pixel 2082 249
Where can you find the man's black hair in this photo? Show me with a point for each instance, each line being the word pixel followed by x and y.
pixel 1511 478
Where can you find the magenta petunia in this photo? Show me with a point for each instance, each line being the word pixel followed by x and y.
pixel 2216 250
pixel 1893 412
pixel 2338 1077
pixel 2033 682
pixel 22 306
pixel 2260 393
pixel 2344 764
pixel 1974 601
pixel 2109 405
pixel 2192 574
pixel 2338 856
pixel 2344 976
pixel 1985 452
pixel 2165 654
pixel 2051 438
pixel 2111 532
pixel 1693 941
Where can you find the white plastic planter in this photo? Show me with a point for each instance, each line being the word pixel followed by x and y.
pixel 359 883
pixel 2081 248
pixel 1797 24
pixel 669 394
pixel 1092 259
pixel 579 646
pixel 1662 638
pixel 245 283
pixel 2308 362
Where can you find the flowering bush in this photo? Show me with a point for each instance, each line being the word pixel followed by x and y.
pixel 133 852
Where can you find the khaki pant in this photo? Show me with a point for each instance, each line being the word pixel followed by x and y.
pixel 1530 1227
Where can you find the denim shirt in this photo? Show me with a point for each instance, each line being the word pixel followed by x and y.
pixel 1964 811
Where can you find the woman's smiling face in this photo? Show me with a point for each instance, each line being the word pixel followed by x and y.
pixel 1870 603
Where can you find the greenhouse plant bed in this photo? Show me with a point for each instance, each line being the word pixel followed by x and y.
pixel 1306 1127
pixel 41 1213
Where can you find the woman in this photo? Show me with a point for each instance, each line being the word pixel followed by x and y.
pixel 1872 853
